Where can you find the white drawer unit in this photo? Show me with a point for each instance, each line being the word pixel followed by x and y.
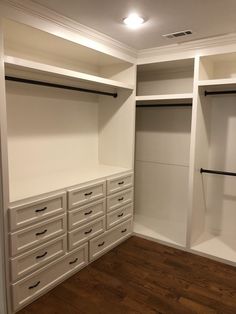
pixel 117 216
pixel 36 258
pixel 117 184
pixel 85 194
pixel 31 287
pixel 109 239
pixel 37 234
pixel 27 213
pixel 119 199
pixel 85 214
pixel 86 232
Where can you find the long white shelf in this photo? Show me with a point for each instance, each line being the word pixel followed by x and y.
pixel 24 64
pixel 50 182
pixel 222 246
pixel 224 83
pixel 172 232
pixel 165 99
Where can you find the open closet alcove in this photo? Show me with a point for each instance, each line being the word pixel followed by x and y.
pixel 59 137
pixel 163 129
pixel 214 202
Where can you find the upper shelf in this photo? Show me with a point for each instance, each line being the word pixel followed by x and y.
pixel 165 99
pixel 57 72
pixel 218 83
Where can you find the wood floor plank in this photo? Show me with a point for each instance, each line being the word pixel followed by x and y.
pixel 143 277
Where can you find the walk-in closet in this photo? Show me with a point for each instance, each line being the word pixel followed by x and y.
pixel 117 157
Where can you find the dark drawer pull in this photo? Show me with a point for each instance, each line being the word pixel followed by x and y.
pixel 41 209
pixel 123 230
pixel 88 213
pixel 120 215
pixel 74 261
pixel 34 286
pixel 122 182
pixel 120 199
pixel 40 233
pixel 87 194
pixel 87 232
pixel 101 244
pixel 40 256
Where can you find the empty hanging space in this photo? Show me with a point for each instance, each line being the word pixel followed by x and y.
pixel 214 198
pixel 169 82
pixel 65 105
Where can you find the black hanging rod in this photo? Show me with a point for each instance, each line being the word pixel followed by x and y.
pixel 85 90
pixel 225 92
pixel 163 105
pixel 223 173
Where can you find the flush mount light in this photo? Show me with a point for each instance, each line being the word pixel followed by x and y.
pixel 133 20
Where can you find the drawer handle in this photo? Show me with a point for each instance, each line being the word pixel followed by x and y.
pixel 40 233
pixel 88 213
pixel 34 286
pixel 120 215
pixel 41 256
pixel 74 261
pixel 120 199
pixel 123 230
pixel 122 182
pixel 87 232
pixel 101 244
pixel 41 209
pixel 87 194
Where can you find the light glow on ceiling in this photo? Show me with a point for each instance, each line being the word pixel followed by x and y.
pixel 133 21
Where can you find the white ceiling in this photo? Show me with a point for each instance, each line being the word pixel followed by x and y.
pixel 206 18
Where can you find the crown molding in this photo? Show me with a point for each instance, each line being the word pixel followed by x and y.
pixel 33 9
pixel 188 49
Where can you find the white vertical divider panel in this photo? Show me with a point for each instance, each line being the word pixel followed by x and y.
pixel 198 159
pixel 117 127
pixel 4 193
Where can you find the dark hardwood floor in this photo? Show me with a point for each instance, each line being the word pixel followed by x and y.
pixel 140 276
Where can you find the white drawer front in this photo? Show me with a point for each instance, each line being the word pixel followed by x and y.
pixel 119 199
pixel 26 214
pixel 83 195
pixel 86 213
pixel 109 239
pixel 117 184
pixel 84 233
pixel 117 216
pixel 31 261
pixel 37 234
pixel 31 287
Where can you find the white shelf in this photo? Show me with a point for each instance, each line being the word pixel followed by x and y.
pixel 50 182
pixel 168 231
pixel 222 246
pixel 165 99
pixel 53 71
pixel 219 83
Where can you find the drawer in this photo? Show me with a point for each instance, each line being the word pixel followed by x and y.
pixel 85 194
pixel 119 199
pixel 31 261
pixel 117 216
pixel 31 287
pixel 86 213
pixel 37 234
pixel 117 184
pixel 109 239
pixel 84 233
pixel 33 212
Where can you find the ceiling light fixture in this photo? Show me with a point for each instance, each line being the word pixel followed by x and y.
pixel 133 20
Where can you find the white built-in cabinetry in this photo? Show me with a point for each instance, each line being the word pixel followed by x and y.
pixel 69 155
pixel 178 201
